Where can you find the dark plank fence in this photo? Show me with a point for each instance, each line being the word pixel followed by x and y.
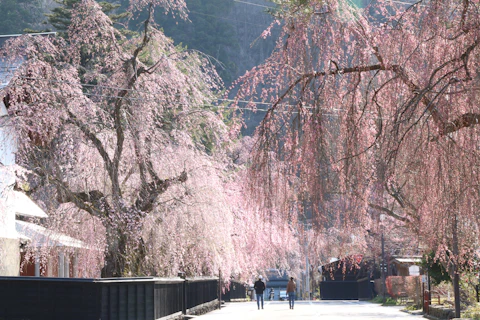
pixel 365 289
pixel 237 291
pixel 346 290
pixel 199 291
pixel 169 297
pixel 39 298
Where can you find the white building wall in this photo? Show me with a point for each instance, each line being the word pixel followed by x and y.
pixel 7 215
pixel 9 244
pixel 7 176
pixel 8 146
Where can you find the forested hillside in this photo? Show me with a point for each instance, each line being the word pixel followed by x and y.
pixel 18 15
pixel 227 30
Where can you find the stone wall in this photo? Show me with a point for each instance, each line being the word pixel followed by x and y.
pixel 440 312
pixel 203 308
pixel 9 257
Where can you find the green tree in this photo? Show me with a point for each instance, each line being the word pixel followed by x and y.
pixel 60 17
pixel 435 268
pixel 139 91
pixel 205 30
pixel 18 15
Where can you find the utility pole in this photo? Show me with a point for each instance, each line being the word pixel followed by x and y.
pixel 219 289
pixel 307 276
pixel 384 264
pixel 456 276
pixel 384 267
pixel 307 264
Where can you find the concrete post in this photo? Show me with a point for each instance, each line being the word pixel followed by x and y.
pixel 75 265
pixel 66 266
pixel 61 259
pixel 49 267
pixel 37 265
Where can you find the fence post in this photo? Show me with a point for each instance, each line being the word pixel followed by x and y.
pixel 219 289
pixel 184 292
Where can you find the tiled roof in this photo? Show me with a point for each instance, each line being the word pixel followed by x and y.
pixel 6 72
pixel 42 237
pixel 24 206
pixel 7 69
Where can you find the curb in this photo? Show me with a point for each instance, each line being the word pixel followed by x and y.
pixel 413 312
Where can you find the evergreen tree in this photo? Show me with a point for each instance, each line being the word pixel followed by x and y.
pixel 205 30
pixel 61 16
pixel 18 15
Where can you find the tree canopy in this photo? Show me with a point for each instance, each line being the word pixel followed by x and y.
pixel 18 15
pixel 206 31
pixel 61 15
pixel 373 113
pixel 120 134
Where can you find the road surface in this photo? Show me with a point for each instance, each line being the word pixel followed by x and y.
pixel 329 310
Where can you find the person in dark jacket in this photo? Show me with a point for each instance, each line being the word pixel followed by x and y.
pixel 259 287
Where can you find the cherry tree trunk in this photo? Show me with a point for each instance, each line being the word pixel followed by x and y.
pixel 456 276
pixel 115 254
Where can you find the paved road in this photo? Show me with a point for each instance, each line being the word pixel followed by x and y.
pixel 329 310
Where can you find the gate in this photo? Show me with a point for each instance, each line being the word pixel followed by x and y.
pixel 346 290
pixel 237 291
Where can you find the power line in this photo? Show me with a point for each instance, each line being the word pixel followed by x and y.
pixel 254 4
pixel 404 2
pixel 31 34
pixel 220 100
pixel 335 112
pixel 228 19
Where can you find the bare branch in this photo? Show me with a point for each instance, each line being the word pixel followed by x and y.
pixel 93 138
pixel 149 193
pixel 389 213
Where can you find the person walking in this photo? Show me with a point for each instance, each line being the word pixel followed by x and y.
pixel 259 287
pixel 291 288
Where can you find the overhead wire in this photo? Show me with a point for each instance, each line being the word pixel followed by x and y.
pixel 254 4
pixel 163 100
pixel 269 7
pixel 227 100
pixel 228 19
pixel 330 111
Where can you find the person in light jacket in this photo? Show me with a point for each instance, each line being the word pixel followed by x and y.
pixel 291 288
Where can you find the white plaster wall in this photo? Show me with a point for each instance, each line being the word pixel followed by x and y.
pixel 8 146
pixel 7 214
pixel 9 244
pixel 7 176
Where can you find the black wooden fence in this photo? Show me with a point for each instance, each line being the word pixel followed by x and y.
pixel 346 290
pixel 237 291
pixel 199 291
pixel 39 298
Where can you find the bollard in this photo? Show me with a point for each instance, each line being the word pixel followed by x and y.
pixel 426 301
